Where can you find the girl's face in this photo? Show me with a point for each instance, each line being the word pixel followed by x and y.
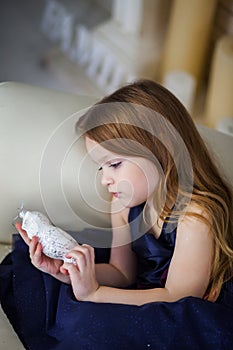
pixel 130 179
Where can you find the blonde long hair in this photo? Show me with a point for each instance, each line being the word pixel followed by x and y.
pixel 160 127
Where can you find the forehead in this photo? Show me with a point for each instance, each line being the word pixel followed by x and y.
pixel 97 152
pixel 101 155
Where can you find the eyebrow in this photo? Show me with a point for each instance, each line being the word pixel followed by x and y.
pixel 106 159
pixel 101 160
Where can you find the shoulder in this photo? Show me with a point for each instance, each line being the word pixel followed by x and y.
pixel 194 227
pixel 194 215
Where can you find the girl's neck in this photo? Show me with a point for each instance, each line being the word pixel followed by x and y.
pixel 156 222
pixel 151 222
pixel 153 219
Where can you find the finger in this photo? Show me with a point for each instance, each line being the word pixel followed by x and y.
pixel 22 233
pixel 91 253
pixel 35 250
pixel 79 259
pixel 71 270
pixel 64 270
pixel 33 245
pixel 75 275
pixel 85 250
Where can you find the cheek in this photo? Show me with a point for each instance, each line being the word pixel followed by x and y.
pixel 126 185
pixel 153 181
pixel 147 181
pixel 137 182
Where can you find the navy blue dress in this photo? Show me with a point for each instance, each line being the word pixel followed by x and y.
pixel 45 314
pixel 153 255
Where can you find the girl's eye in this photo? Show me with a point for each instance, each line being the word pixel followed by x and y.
pixel 115 165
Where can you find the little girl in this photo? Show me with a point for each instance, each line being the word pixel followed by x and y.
pixel 141 139
pixel 172 231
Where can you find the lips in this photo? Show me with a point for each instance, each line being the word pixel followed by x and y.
pixel 115 194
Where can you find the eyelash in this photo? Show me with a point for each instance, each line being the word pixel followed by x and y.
pixel 113 165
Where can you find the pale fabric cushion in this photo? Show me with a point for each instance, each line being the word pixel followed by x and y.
pixel 8 338
pixel 40 159
pixel 220 146
pixel 40 163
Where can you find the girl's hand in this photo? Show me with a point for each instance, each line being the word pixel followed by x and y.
pixel 38 259
pixel 82 275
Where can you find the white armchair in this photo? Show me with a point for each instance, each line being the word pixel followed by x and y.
pixel 37 140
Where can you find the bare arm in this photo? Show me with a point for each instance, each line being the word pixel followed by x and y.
pixel 188 273
pixel 121 270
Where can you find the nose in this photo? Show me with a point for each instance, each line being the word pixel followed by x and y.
pixel 106 179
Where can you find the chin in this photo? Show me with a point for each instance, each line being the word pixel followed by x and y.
pixel 132 203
